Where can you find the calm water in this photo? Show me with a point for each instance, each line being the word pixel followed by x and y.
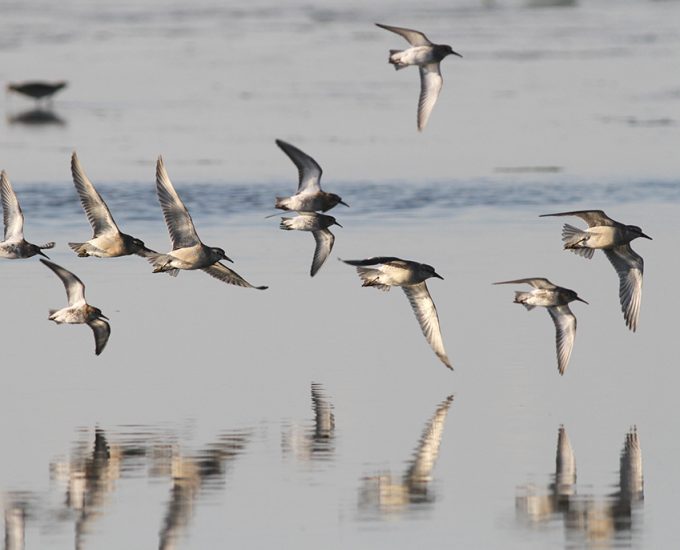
pixel 313 414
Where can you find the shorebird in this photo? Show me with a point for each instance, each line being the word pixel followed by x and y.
pixel 318 224
pixel 384 272
pixel 36 89
pixel 427 57
pixel 309 196
pixel 613 238
pixel 188 252
pixel 556 299
pixel 107 241
pixel 14 245
pixel 78 310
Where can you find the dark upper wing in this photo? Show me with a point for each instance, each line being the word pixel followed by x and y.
pixel 374 261
pixel 309 171
pixel 324 244
pixel 223 273
pixel 75 289
pixel 415 38
pixel 97 212
pixel 591 217
pixel 536 282
pixel 180 225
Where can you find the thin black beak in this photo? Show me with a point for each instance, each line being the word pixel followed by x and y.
pixel 581 300
pixel 336 223
pixel 456 53
pixel 438 276
pixel 102 316
pixel 343 202
pixel 225 257
pixel 646 236
pixel 43 254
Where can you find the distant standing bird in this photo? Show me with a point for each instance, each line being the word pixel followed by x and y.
pixel 36 89
pixel 107 241
pixel 188 252
pixel 309 196
pixel 318 224
pixel 14 246
pixel 556 299
pixel 384 272
pixel 78 310
pixel 613 239
pixel 427 57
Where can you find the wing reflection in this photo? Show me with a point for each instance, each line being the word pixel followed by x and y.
pixel 587 518
pixel 18 506
pixel 386 494
pixel 190 474
pixel 318 441
pixel 36 117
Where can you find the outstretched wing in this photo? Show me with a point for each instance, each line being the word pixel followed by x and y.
pixel 102 331
pixel 536 282
pixel 591 217
pixel 309 171
pixel 426 313
pixel 12 215
pixel 177 218
pixel 75 289
pixel 224 274
pixel 324 244
pixel 430 85
pixel 98 214
pixel 565 333
pixel 629 267
pixel 415 38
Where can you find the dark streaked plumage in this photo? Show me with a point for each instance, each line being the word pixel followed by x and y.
pixel 107 240
pixel 427 56
pixel 318 224
pixel 555 299
pixel 188 252
pixel 14 246
pixel 613 238
pixel 78 310
pixel 309 196
pixel 384 272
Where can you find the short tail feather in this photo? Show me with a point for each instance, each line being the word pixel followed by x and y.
pixel 520 298
pixel 159 262
pixel 287 224
pixel 281 202
pixel 370 278
pixel 46 245
pixel 573 238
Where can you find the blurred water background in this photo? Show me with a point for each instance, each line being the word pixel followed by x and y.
pixel 314 414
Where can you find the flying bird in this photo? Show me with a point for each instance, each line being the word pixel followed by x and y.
pixel 78 310
pixel 385 272
pixel 309 196
pixel 556 299
pixel 613 238
pixel 318 224
pixel 188 252
pixel 107 241
pixel 14 246
pixel 36 89
pixel 427 56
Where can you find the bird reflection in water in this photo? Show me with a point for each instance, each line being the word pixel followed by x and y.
pixel 190 475
pixel 39 116
pixel 315 442
pixel 90 477
pixel 388 495
pixel 18 506
pixel 588 519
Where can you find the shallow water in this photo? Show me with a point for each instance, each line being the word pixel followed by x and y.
pixel 314 413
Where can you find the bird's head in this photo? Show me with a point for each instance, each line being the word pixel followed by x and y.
pixel 637 232
pixel 430 272
pixel 220 254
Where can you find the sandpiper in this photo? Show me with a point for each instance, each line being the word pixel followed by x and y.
pixel 14 245
pixel 107 241
pixel 318 224
pixel 36 89
pixel 384 272
pixel 427 57
pixel 188 252
pixel 613 238
pixel 556 299
pixel 78 310
pixel 309 196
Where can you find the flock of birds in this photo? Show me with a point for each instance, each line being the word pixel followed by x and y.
pixel 310 203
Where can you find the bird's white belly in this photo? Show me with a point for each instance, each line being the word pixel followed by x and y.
pixel 419 55
pixel 603 236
